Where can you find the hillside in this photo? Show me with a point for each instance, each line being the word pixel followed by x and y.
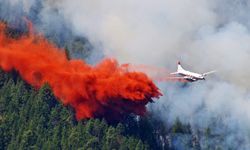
pixel 34 119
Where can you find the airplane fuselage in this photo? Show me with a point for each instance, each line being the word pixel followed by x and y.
pixel 190 76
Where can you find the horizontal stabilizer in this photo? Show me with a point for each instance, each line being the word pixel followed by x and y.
pixel 210 72
pixel 174 73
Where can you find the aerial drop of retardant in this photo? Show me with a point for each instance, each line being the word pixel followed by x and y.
pixel 105 90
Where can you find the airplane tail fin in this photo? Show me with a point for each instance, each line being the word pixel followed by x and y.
pixel 179 67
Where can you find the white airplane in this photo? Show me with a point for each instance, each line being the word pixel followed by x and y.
pixel 189 76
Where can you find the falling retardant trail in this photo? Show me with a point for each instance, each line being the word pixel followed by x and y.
pixel 104 90
pixel 156 73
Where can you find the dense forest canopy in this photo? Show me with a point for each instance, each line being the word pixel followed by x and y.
pixel 33 119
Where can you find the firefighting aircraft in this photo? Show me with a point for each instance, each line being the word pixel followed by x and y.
pixel 189 76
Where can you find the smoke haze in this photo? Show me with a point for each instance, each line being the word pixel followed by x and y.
pixel 203 34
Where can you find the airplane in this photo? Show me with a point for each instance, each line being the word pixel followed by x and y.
pixel 189 76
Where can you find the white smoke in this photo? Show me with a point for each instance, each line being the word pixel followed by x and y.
pixel 154 32
pixel 24 5
pixel 203 34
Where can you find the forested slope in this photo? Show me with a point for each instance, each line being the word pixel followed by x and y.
pixel 34 119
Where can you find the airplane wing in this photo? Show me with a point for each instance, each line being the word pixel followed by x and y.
pixel 207 73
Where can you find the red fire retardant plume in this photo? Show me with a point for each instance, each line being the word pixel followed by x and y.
pixel 105 90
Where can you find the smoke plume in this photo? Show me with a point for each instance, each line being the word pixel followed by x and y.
pixel 105 90
pixel 203 34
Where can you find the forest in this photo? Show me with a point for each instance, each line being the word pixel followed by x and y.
pixel 33 119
